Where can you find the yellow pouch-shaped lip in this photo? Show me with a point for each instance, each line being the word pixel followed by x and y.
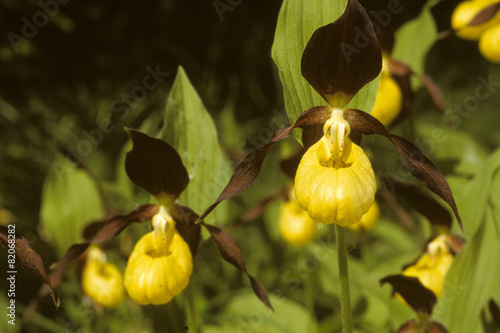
pixel 296 226
pixel 339 191
pixel 489 44
pixel 368 221
pixel 102 281
pixel 431 271
pixel 154 276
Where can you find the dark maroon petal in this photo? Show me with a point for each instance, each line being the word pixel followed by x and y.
pixel 248 170
pixel 106 230
pixel 232 254
pixel 485 15
pixel 422 202
pixel 414 160
pixel 311 135
pixel 187 227
pixel 155 166
pixel 343 56
pixel 27 257
pixel 421 299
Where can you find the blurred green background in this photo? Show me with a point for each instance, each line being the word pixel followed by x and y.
pixel 75 71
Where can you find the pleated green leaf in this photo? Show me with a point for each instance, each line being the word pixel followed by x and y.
pixel 297 21
pixel 70 201
pixel 189 128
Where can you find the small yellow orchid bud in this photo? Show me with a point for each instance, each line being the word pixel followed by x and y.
pixel 465 12
pixel 101 280
pixel 368 221
pixel 489 44
pixel 389 101
pixel 431 268
pixel 295 225
pixel 160 265
pixel 334 182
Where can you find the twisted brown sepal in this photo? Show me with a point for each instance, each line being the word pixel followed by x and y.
pixel 187 227
pixel 230 251
pixel 155 166
pixel 248 170
pixel 421 299
pixel 422 202
pixel 102 231
pixel 28 258
pixel 414 160
pixel 343 56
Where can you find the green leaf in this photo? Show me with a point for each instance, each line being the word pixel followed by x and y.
pixel 70 201
pixel 297 21
pixel 472 279
pixel 244 313
pixel 413 41
pixel 191 131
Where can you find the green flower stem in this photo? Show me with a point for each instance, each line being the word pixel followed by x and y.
pixel 345 297
pixel 190 310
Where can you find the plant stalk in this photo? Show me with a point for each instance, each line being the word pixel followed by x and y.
pixel 345 296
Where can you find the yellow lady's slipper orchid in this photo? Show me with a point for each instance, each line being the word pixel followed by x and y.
pixel 101 280
pixel 432 267
pixel 465 12
pixel 296 226
pixel 335 182
pixel 160 265
pixel 389 101
pixel 368 220
pixel 489 44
